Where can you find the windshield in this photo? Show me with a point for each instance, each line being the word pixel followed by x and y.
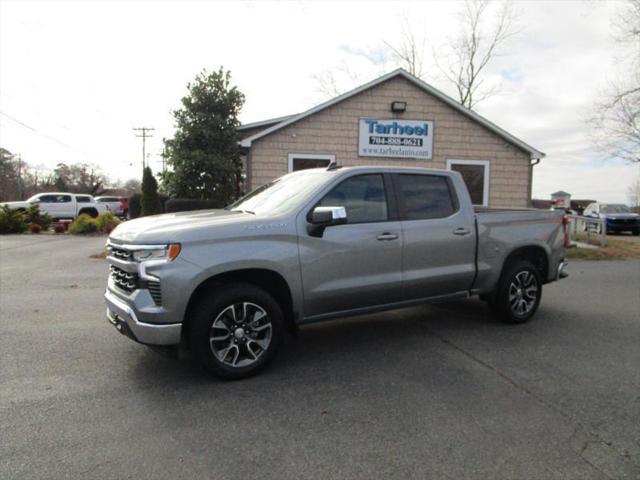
pixel 614 208
pixel 282 194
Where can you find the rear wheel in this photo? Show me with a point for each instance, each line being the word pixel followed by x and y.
pixel 519 293
pixel 236 331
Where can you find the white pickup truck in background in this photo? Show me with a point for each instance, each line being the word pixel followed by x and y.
pixel 61 205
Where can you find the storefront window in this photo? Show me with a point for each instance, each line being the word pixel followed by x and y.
pixel 475 174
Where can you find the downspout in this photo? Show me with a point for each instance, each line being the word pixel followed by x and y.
pixel 534 162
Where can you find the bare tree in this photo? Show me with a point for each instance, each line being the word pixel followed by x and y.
pixel 616 118
pixel 409 54
pixel 334 82
pixel 473 49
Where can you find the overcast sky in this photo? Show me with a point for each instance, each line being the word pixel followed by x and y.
pixel 83 74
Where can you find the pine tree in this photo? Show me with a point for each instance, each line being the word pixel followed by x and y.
pixel 150 202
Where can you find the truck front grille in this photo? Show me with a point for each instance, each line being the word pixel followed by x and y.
pixel 120 253
pixel 124 280
pixel 154 290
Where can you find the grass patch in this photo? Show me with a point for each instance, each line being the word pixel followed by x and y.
pixel 626 248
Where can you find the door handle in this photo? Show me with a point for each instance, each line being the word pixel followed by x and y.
pixel 387 236
pixel 461 231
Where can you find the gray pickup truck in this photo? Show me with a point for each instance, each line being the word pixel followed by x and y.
pixel 320 244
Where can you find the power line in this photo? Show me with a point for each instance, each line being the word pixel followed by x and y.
pixel 144 137
pixel 60 142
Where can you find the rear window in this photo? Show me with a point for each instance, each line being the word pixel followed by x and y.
pixel 425 196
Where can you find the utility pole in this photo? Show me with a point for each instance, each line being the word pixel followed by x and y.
pixel 163 156
pixel 145 134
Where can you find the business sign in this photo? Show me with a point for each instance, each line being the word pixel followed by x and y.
pixel 395 138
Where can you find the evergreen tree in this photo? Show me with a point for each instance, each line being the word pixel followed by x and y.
pixel 150 202
pixel 204 155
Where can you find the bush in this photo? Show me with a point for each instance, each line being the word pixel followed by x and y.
pixel 59 227
pixel 134 205
pixel 35 216
pixel 188 204
pixel 83 224
pixel 107 221
pixel 12 221
pixel 35 228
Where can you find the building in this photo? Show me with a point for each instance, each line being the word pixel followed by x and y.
pixel 397 120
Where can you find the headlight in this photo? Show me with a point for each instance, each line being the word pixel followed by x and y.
pixel 169 253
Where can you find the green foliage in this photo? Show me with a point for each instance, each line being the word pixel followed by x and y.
pixel 83 224
pixel 12 221
pixel 150 202
pixel 34 215
pixel 204 154
pixel 107 221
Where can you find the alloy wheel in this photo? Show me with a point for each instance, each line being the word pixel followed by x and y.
pixel 523 292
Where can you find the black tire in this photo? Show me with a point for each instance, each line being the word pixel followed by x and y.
pixel 513 301
pixel 92 212
pixel 221 308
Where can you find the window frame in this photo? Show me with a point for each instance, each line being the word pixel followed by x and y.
pixel 308 156
pixel 389 194
pixel 401 206
pixel 487 176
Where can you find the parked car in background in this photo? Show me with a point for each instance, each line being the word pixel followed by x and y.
pixel 62 205
pixel 117 205
pixel 319 244
pixel 618 217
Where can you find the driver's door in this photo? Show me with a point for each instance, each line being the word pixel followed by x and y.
pixel 358 264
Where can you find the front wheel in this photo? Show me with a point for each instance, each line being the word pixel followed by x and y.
pixel 236 331
pixel 519 293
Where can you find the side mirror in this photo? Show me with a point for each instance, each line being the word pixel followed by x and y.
pixel 323 217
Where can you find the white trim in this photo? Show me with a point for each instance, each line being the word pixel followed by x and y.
pixel 534 153
pixel 269 121
pixel 309 156
pixel 487 175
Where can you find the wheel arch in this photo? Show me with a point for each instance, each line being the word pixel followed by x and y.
pixel 269 280
pixel 91 211
pixel 535 254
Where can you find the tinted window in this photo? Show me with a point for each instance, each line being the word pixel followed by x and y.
pixel 304 163
pixel 47 198
pixel 80 199
pixel 425 196
pixel 63 198
pixel 473 176
pixel 362 196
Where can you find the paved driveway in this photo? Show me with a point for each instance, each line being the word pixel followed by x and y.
pixel 430 392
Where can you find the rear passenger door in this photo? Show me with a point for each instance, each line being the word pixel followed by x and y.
pixel 438 237
pixel 358 264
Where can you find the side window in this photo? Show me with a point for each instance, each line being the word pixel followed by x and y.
pixel 363 197
pixel 425 196
pixel 47 198
pixel 63 198
pixel 80 199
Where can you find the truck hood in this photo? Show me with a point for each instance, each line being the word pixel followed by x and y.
pixel 15 204
pixel 176 227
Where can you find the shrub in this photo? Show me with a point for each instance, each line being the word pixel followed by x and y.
pixel 134 205
pixel 188 204
pixel 12 221
pixel 107 221
pixel 59 227
pixel 35 228
pixel 35 216
pixel 83 224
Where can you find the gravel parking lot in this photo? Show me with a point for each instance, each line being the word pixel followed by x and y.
pixel 429 392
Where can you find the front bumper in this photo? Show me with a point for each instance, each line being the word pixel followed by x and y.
pixel 561 273
pixel 124 319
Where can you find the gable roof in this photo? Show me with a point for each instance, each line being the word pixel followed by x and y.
pixel 533 152
pixel 267 122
